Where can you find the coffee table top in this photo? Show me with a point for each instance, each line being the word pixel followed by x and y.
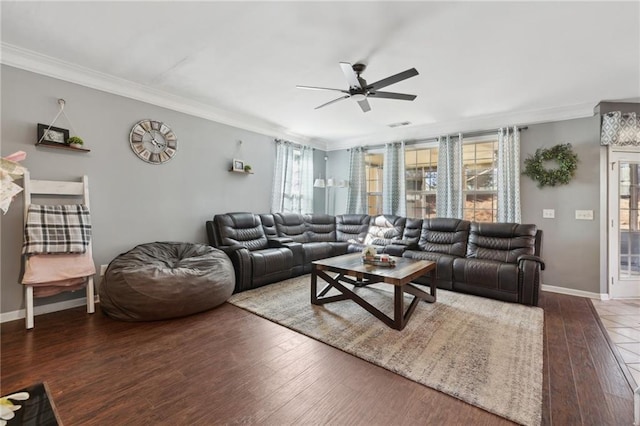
pixel 351 264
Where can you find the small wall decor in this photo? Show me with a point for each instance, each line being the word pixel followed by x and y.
pixel 56 137
pixel 238 165
pixel 562 154
pixel 52 134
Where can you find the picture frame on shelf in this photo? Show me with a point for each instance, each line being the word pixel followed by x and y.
pixel 237 165
pixel 52 135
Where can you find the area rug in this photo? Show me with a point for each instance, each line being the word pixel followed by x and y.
pixel 485 352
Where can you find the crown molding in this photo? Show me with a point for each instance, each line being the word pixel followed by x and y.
pixel 478 123
pixel 29 60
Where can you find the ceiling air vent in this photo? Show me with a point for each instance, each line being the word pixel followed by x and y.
pixel 400 124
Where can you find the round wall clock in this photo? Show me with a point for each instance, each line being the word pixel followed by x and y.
pixel 153 141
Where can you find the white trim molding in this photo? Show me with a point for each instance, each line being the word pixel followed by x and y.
pixel 46 65
pixel 44 309
pixel 574 292
pixel 29 60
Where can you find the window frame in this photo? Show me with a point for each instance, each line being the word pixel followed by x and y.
pixel 417 194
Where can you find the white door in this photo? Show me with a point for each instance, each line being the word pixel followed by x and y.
pixel 624 223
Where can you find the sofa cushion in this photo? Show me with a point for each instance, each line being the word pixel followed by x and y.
pixel 272 260
pixel 352 227
pixel 291 225
pixel 503 242
pixel 243 229
pixel 320 227
pixel 444 265
pixel 486 273
pixel 445 235
pixel 412 230
pixel 269 225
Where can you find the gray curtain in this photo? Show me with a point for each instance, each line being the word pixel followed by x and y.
pixel 620 129
pixel 292 189
pixel 509 175
pixel 394 199
pixel 357 195
pixel 449 180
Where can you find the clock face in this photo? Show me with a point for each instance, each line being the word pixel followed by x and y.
pixel 153 141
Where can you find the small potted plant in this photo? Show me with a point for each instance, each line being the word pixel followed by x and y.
pixel 247 168
pixel 75 142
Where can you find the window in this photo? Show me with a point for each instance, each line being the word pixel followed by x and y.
pixel 294 195
pixel 479 171
pixel 373 169
pixel 421 168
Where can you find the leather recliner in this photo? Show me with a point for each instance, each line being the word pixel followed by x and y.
pixel 316 234
pixel 442 240
pixel 256 259
pixel 499 258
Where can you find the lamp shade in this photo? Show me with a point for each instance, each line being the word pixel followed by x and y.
pixel 319 183
pixel 330 182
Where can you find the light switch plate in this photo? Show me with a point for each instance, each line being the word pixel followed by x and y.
pixel 584 214
pixel 548 213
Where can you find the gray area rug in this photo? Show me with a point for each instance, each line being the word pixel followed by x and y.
pixel 482 351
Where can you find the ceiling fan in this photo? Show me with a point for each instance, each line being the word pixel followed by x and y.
pixel 359 90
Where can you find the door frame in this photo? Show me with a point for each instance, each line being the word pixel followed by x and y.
pixel 614 155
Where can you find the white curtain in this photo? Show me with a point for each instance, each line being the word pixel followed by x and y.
pixel 357 195
pixel 292 189
pixel 620 129
pixel 394 199
pixel 449 179
pixel 509 175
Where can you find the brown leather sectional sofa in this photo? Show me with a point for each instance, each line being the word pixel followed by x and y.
pixel 497 260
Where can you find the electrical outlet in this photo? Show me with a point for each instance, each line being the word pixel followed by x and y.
pixel 103 269
pixel 548 213
pixel 584 214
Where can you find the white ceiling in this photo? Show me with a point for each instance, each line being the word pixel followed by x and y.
pixel 481 64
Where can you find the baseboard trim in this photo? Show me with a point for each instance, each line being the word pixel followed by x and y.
pixel 573 292
pixel 44 309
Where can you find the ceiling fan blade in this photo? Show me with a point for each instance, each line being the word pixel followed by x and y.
pixel 393 79
pixel 321 88
pixel 364 104
pixel 335 100
pixel 391 95
pixel 350 75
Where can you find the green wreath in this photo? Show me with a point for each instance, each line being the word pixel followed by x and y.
pixel 563 155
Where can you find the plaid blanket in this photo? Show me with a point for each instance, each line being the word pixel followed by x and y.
pixel 57 229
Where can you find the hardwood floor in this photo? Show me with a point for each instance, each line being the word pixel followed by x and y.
pixel 228 366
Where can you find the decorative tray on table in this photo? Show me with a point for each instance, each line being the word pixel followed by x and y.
pixel 379 260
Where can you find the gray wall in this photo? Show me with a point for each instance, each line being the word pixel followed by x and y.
pixel 571 248
pixel 132 202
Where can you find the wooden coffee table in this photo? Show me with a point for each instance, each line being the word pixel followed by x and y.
pixel 350 269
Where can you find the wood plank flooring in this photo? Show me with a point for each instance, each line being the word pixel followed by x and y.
pixel 228 366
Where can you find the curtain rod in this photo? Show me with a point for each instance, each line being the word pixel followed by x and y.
pixel 435 139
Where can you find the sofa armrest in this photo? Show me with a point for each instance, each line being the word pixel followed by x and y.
pixel 529 279
pixel 276 242
pixel 241 259
pixel 395 249
pixel 531 258
pixel 230 249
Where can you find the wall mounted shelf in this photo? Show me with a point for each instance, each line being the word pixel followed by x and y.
pixel 61 146
pixel 240 171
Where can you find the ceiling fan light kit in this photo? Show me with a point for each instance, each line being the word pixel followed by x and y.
pixel 360 91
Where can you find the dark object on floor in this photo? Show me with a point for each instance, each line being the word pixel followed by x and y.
pixel 162 280
pixel 35 407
